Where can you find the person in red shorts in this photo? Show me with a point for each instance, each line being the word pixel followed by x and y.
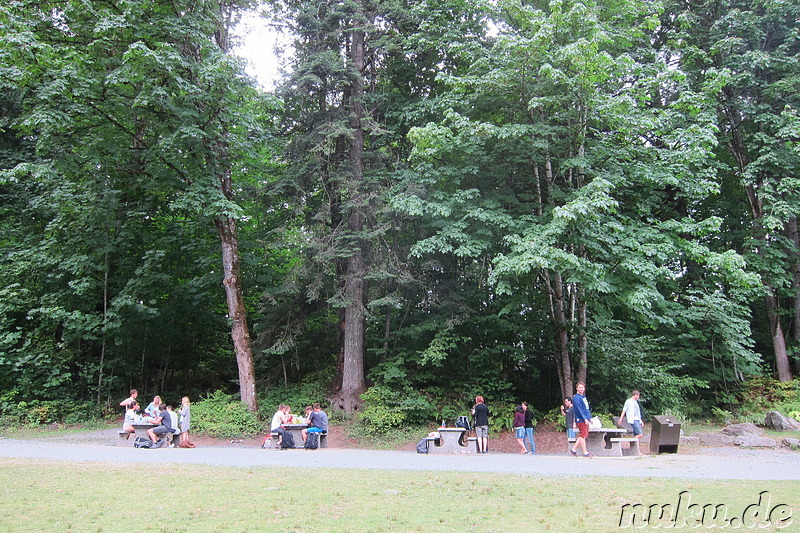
pixel 580 407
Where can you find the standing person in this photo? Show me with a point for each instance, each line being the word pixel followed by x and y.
pixel 130 400
pixel 186 419
pixel 519 428
pixel 582 416
pixel 633 414
pixel 318 422
pixel 481 414
pixel 529 428
pixel 569 417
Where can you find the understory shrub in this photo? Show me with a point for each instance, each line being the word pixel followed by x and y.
pixel 220 415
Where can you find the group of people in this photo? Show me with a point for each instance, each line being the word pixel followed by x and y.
pixel 578 416
pixel 165 420
pixel 314 417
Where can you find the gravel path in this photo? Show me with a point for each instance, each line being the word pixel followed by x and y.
pixel 728 463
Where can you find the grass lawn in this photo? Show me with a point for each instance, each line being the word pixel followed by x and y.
pixel 50 496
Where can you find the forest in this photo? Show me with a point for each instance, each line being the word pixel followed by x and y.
pixel 437 199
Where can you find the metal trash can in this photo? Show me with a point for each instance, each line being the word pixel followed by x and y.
pixel 665 434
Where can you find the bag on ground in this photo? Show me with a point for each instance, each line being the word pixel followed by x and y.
pixel 312 441
pixel 141 442
pixel 288 440
pixel 422 446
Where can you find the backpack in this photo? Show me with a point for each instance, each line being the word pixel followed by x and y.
pixel 288 440
pixel 463 422
pixel 312 441
pixel 141 442
pixel 422 446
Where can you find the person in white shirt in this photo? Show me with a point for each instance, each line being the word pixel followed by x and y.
pixel 633 414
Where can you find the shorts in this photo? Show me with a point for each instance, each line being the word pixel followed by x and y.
pixel 637 427
pixel 161 430
pixel 314 429
pixel 482 431
pixel 519 433
pixel 583 429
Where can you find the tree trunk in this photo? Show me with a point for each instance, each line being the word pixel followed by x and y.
pixel 240 333
pixel 794 235
pixel 353 384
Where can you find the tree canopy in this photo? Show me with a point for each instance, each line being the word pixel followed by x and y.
pixel 439 199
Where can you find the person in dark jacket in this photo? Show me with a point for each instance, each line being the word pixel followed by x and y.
pixel 481 414
pixel 583 415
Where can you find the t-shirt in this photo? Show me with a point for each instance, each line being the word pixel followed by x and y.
pixel 481 415
pixel 519 419
pixel 632 411
pixel 319 419
pixel 173 419
pixel 277 419
pixel 130 418
pixel 569 415
pixel 166 420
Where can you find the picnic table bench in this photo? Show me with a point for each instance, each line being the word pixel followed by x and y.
pixel 296 430
pixel 451 440
pixel 607 442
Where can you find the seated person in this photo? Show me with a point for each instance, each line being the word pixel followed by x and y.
pixel 164 426
pixel 173 418
pixel 152 408
pixel 131 417
pixel 280 417
pixel 317 421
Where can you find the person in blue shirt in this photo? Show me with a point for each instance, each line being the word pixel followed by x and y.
pixel 318 422
pixel 583 414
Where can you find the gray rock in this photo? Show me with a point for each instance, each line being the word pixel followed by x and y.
pixel 714 439
pixel 792 443
pixel 752 441
pixel 690 441
pixel 742 429
pixel 778 422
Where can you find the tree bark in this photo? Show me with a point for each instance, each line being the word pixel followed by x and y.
pixel 353 384
pixel 240 333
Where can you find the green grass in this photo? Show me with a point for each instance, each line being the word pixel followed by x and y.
pixel 49 496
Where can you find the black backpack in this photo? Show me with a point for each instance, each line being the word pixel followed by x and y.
pixel 312 441
pixel 463 422
pixel 288 440
pixel 422 446
pixel 141 442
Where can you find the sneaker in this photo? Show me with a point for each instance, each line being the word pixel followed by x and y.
pixel 573 453
pixel 588 455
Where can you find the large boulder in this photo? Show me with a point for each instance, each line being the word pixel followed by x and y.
pixel 714 439
pixel 792 443
pixel 753 441
pixel 778 422
pixel 742 429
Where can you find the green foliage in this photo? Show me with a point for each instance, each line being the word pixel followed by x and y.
pixel 385 409
pixel 219 415
pixel 296 395
pixel 41 412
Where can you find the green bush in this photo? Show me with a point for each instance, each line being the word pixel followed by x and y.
pixel 42 412
pixel 296 396
pixel 385 408
pixel 220 415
